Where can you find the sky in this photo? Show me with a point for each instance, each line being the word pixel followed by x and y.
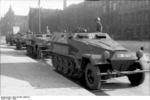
pixel 21 7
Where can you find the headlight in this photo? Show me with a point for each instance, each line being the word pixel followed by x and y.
pixel 123 55
pixel 139 54
pixel 49 44
pixel 106 55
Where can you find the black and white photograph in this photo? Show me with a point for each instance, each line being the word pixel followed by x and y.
pixel 74 48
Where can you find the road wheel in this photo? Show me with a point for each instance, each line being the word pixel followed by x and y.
pixel 65 66
pixel 27 50
pixel 93 81
pixel 138 78
pixel 70 68
pixel 59 68
pixel 35 52
pixel 55 62
pixel 32 54
pixel 38 53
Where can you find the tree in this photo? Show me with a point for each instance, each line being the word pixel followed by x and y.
pixel 7 22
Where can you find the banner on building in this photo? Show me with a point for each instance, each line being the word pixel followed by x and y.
pixel 16 29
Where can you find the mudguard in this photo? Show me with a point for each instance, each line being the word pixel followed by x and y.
pixel 94 59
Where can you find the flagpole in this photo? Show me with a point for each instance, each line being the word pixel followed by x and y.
pixel 39 16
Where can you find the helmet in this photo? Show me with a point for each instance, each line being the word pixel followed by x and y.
pixel 98 19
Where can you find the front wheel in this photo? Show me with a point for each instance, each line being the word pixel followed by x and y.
pixel 138 78
pixel 93 80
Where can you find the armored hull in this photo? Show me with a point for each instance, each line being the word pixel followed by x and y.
pixel 38 44
pixel 94 56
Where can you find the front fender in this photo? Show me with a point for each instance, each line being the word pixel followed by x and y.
pixel 95 59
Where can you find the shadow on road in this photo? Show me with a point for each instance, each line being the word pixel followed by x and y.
pixel 37 75
pixel 106 86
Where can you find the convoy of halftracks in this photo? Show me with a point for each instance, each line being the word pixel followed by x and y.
pixel 37 44
pixel 94 57
pixel 19 40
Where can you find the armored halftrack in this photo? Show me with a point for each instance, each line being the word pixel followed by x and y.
pixel 37 43
pixel 21 39
pixel 96 57
pixel 10 39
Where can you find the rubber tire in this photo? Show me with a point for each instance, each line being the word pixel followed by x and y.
pixel 65 66
pixel 96 85
pixel 38 53
pixel 59 68
pixel 70 68
pixel 32 54
pixel 28 49
pixel 138 78
pixel 35 52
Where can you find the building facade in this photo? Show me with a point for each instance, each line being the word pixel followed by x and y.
pixel 122 19
pixel 11 20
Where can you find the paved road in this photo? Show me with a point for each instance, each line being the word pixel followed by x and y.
pixel 22 75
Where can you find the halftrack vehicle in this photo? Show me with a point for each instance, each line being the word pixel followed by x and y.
pixel 20 40
pixel 10 39
pixel 37 44
pixel 7 38
pixel 96 57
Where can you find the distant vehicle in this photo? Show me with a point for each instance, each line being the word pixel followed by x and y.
pixel 20 40
pixel 37 44
pixel 96 57
pixel 7 38
pixel 10 39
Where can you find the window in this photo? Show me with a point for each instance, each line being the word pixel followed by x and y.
pixel 38 35
pixel 48 36
pixel 81 36
pixel 100 36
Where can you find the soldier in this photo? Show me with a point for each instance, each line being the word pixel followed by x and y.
pixel 144 57
pixel 99 26
pixel 48 30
